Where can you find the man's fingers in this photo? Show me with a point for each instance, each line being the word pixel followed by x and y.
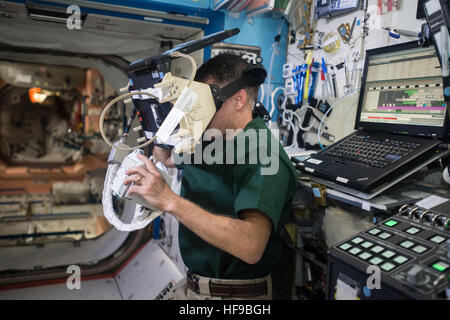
pixel 148 164
pixel 137 189
pixel 137 170
pixel 132 178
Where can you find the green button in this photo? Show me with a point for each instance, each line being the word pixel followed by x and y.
pixel 358 240
pixel 400 259
pixel 377 249
pixel 376 261
pixel 440 266
pixel 388 254
pixel 437 239
pixel 374 231
pixel 355 251
pixel 345 246
pixel 407 244
pixel 367 244
pixel 413 230
pixel 364 255
pixel 391 223
pixel 385 235
pixel 419 249
pixel 387 266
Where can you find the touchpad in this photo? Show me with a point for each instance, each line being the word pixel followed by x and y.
pixel 334 168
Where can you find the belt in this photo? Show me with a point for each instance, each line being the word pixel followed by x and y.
pixel 228 290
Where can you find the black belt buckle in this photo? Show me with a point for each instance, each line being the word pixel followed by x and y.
pixel 193 279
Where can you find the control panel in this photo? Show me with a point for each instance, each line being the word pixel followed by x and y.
pixel 411 250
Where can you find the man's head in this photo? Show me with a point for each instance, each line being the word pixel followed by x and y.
pixel 236 111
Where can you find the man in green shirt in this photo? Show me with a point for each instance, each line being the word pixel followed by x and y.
pixel 230 211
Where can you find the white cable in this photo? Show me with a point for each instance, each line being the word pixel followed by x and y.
pixel 274 49
pixel 142 216
pixel 288 116
pixel 126 95
pixel 272 96
pixel 328 111
pixel 105 111
pixel 300 121
pixel 193 63
pixel 446 174
pixel 261 98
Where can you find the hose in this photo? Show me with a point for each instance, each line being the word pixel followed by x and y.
pixel 126 95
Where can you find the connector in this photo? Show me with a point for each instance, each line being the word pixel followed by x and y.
pixel 116 155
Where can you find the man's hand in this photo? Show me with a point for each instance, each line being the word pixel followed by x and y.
pixel 164 156
pixel 150 184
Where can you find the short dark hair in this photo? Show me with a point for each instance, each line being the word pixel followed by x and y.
pixel 224 69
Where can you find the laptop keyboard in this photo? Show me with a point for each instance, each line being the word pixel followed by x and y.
pixel 378 153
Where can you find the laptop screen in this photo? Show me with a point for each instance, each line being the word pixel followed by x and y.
pixel 403 91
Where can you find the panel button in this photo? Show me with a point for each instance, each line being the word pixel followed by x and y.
pixel 357 240
pixel 355 251
pixel 407 244
pixel 437 239
pixel 374 231
pixel 388 254
pixel 387 266
pixel 413 230
pixel 391 223
pixel 384 235
pixel 377 249
pixel 376 261
pixel 345 246
pixel 367 244
pixel 364 256
pixel 400 259
pixel 440 266
pixel 419 249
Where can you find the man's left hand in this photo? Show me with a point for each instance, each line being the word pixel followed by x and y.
pixel 150 184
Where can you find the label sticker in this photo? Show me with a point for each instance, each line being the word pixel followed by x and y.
pixel 343 180
pixel 186 101
pixel 155 92
pixel 182 107
pixel 314 161
pixel 310 170
pixel 316 192
pixel 431 202
pixel 172 120
pixel 24 78
pixel 365 206
pixel 345 291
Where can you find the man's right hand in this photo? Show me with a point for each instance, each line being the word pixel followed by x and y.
pixel 164 156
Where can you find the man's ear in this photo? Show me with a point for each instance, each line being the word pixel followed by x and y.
pixel 240 99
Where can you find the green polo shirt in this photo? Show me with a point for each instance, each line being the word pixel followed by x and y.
pixel 233 186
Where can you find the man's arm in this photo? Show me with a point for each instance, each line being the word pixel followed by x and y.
pixel 245 238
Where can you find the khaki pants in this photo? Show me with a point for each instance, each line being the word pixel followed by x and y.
pixel 182 292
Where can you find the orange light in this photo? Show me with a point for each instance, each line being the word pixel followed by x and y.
pixel 36 95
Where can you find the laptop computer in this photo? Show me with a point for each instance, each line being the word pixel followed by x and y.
pixel 400 123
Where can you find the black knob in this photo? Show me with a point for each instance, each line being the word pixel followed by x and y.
pixel 417 276
pixel 417 214
pixel 442 221
pixel 429 217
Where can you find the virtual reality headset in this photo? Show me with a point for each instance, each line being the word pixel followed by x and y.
pixel 153 113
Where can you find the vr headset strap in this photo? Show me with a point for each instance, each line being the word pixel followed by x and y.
pixel 254 75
